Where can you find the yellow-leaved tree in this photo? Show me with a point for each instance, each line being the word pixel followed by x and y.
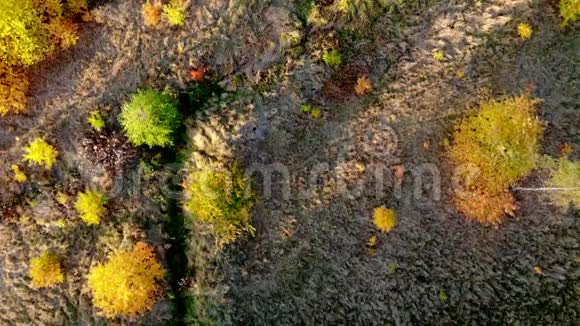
pixel 29 31
pixel 126 285
pixel 492 149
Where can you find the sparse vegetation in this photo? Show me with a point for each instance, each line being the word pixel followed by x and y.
pixel 127 284
pixel 565 181
pixel 384 219
pixel 220 197
pixel 500 142
pixel 45 271
pixel 150 118
pixel 39 152
pixel 91 206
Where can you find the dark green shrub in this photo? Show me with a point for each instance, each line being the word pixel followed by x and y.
pixel 150 118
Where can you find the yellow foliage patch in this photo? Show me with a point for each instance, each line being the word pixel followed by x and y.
pixel 45 271
pixel 220 197
pixel 525 31
pixel 438 55
pixel 500 143
pixel 126 285
pixel 501 140
pixel 19 176
pixel 91 206
pixel 39 152
pixel 570 11
pixel 384 219
pixel 174 12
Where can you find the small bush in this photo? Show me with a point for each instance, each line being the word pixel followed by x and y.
pixel 96 121
pixel 45 271
pixel 13 87
pixel 501 141
pixel 126 285
pixel 303 10
pixel 39 152
pixel 565 176
pixel 315 112
pixel 19 176
pixel 384 219
pixel 438 55
pixel 91 206
pixel 150 118
pixel 221 198
pixel 151 14
pixel 174 12
pixel 570 11
pixel 306 108
pixel 363 86
pixel 196 75
pixel 525 31
pixel 333 58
